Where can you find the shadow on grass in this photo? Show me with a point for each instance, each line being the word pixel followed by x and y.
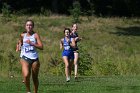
pixel 85 78
pixel 121 87
pixel 58 84
pixel 128 31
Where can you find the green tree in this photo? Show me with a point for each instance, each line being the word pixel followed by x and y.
pixel 76 12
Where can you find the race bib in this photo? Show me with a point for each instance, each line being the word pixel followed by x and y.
pixel 29 48
pixel 67 47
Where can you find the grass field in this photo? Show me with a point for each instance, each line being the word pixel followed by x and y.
pixel 53 84
pixel 112 43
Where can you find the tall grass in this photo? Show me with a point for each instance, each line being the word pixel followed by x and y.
pixel 112 43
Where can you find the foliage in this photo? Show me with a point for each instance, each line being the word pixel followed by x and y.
pixel 56 66
pixel 90 12
pixel 76 12
pixel 6 12
pixel 45 12
pixel 101 7
pixel 85 61
pixel 109 46
pixel 12 59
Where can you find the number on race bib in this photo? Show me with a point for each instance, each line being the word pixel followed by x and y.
pixel 67 47
pixel 29 48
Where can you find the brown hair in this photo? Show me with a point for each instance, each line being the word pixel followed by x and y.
pixel 67 29
pixel 30 21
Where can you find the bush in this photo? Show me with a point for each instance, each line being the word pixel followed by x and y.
pixel 76 12
pixel 6 12
pixel 56 66
pixel 45 12
pixel 85 61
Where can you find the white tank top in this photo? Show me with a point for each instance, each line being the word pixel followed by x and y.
pixel 28 50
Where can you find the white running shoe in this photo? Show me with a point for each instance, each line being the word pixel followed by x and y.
pixel 68 79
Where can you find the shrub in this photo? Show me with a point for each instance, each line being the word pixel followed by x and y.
pixel 56 66
pixel 45 12
pixel 6 12
pixel 85 61
pixel 76 12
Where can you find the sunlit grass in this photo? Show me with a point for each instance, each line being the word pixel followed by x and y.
pixel 53 84
pixel 113 43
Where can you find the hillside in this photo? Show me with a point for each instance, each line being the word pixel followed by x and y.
pixel 110 46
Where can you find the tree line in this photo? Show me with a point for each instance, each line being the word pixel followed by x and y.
pixel 87 7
